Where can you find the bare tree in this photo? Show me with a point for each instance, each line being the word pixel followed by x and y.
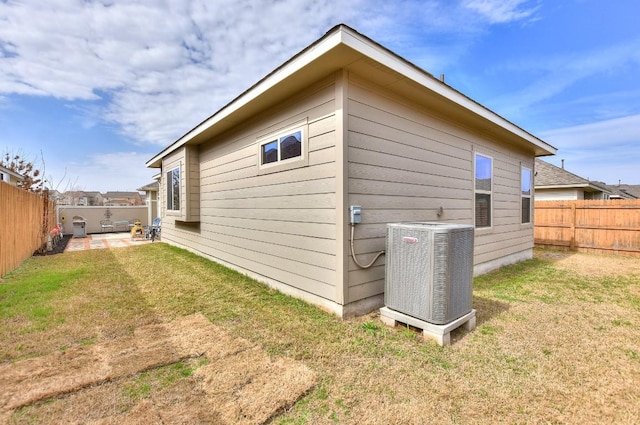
pixel 30 172
pixel 33 181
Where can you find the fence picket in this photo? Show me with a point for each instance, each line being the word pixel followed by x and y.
pixel 600 225
pixel 25 221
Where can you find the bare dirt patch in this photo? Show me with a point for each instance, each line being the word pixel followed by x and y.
pixel 595 265
pixel 238 382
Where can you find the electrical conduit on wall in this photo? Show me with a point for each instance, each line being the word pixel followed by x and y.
pixel 353 254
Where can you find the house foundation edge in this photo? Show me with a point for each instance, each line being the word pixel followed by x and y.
pixel 356 308
pixel 514 258
pixel 348 311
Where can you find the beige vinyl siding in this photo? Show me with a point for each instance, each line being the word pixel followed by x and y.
pixel 401 168
pixel 279 225
pixel 405 162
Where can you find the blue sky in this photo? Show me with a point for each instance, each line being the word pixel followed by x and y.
pixel 96 88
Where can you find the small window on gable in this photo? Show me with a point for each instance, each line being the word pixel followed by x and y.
pixel 525 194
pixel 483 190
pixel 283 147
pixel 173 189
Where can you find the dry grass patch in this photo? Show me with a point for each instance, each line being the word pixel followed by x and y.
pixel 238 381
pixel 553 345
pixel 592 265
pixel 566 363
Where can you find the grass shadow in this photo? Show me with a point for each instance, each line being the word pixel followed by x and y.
pixel 553 254
pixel 487 308
pixel 59 307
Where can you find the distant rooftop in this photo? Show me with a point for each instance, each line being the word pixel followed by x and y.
pixel 550 176
pixel 629 189
pixel 150 187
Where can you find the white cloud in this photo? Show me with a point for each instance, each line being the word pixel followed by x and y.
pixel 164 66
pixel 503 11
pixel 120 171
pixel 606 151
pixel 618 131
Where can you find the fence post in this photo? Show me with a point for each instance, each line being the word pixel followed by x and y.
pixel 573 225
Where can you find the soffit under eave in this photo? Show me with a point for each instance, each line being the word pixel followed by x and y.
pixel 448 108
pixel 592 188
pixel 464 117
pixel 316 70
pixel 567 186
pixel 256 99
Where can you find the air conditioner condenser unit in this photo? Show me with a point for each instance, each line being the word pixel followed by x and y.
pixel 429 270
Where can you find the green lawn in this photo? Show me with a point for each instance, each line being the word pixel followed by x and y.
pixel 557 337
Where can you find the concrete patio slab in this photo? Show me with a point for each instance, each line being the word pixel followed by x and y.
pixel 103 241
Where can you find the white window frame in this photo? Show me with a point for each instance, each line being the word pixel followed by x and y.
pixel 524 196
pixel 477 191
pixel 169 189
pixel 277 138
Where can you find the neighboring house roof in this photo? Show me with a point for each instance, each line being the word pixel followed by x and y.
pixel 549 176
pixel 618 193
pixel 122 195
pixel 151 187
pixel 75 194
pixel 344 48
pixel 122 198
pixel 632 190
pixel 73 197
pixel 624 191
pixel 55 194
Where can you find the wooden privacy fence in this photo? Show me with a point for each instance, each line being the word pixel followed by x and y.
pixel 25 221
pixel 600 225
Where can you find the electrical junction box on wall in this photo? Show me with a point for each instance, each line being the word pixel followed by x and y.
pixel 355 214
